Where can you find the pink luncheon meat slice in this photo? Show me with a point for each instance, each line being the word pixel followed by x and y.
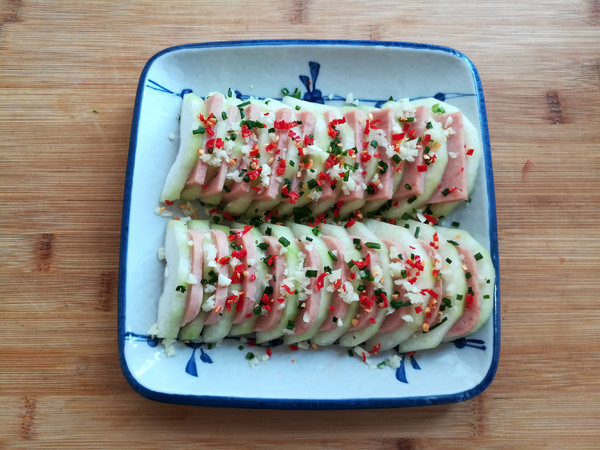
pixel 195 292
pixel 413 179
pixel 453 186
pixel 307 316
pixel 283 124
pixel 472 300
pixel 215 185
pixel 273 305
pixel 222 244
pixel 384 120
pixel 249 285
pixel 338 307
pixel 214 106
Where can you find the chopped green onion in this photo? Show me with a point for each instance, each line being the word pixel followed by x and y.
pixel 263 245
pixel 331 255
pixel 180 288
pixel 478 257
pixel 429 125
pixel 224 115
pixel 283 241
pixel 199 130
pixel 373 245
pixel 437 109
pixel 374 143
pixel 417 230
pixel 311 273
pixel 249 355
pixel 290 325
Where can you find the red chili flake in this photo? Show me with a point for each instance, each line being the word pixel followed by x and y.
pixel 365 301
pixel 248 315
pixel 470 152
pixel 239 254
pixel 223 260
pixel 254 151
pixel 281 167
pixel 406 126
pixel 293 347
pixel 425 140
pixel 331 308
pixel 362 264
pixel 293 136
pixel 228 307
pixel 321 281
pixel 212 211
pixel 268 215
pixel 392 221
pixel 412 280
pixel 352 277
pixel 384 301
pixel 332 132
pixel 246 131
pixel 364 357
pixel 418 309
pixel 270 147
pixel 210 143
pixel 169 202
pixel 377 154
pixel 411 353
pixel 372 321
pixel 398 136
pixel 219 143
pixel 289 291
pixel 431 159
pixel 252 277
pixel 281 300
pixel 375 188
pixel 436 241
pixel 412 134
pixel 432 220
pixel 336 208
pixel 269 352
pixel 430 292
pixel 365 156
pixel 308 141
pixel 210 131
pixel 337 284
pixel 294 196
pixel 469 300
pixel 283 125
pixel 422 167
pixel 435 273
pixel 375 349
pixel 238 307
pixel 271 260
pixel 251 343
pixel 254 188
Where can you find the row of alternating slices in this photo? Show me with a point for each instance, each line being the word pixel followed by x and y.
pixel 410 286
pixel 295 158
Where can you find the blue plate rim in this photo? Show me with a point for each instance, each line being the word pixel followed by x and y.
pixel 308 404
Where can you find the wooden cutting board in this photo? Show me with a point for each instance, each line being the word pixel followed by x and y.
pixel 68 75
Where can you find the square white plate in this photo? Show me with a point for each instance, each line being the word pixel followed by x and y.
pixel 307 379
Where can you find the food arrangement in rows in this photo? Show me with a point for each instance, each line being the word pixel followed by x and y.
pixel 369 267
pixel 297 159
pixel 409 285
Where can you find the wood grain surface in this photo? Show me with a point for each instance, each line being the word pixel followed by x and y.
pixel 62 171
